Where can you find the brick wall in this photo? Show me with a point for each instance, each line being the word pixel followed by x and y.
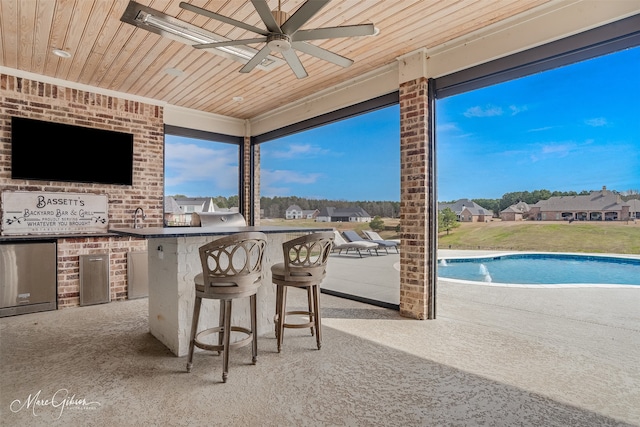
pixel 44 101
pixel 414 181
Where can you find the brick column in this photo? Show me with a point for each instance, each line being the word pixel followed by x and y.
pixel 417 196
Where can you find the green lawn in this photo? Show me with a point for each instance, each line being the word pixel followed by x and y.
pixel 595 237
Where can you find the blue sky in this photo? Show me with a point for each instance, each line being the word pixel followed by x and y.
pixel 573 128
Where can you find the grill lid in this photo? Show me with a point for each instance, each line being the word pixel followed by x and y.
pixel 217 219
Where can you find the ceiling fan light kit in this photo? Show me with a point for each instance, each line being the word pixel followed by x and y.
pixel 282 35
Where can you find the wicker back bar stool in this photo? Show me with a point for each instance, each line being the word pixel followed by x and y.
pixel 304 266
pixel 231 269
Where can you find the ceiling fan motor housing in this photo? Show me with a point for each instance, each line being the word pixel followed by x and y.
pixel 279 42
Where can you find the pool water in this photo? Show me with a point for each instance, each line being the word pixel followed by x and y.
pixel 543 269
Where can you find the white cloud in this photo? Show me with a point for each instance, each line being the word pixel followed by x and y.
pixel 515 109
pixel 193 163
pixel 447 127
pixel 540 129
pixel 275 182
pixel 487 111
pixel 270 177
pixel 299 150
pixel 553 150
pixel 596 122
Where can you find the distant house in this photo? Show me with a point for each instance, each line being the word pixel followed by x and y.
pixel 634 208
pixel 293 212
pixel 600 205
pixel 516 212
pixel 173 214
pixel 189 205
pixel 330 214
pixel 468 211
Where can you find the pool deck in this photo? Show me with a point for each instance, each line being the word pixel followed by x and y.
pixel 574 344
pixel 494 356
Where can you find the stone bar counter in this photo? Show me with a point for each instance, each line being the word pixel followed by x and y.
pixel 174 261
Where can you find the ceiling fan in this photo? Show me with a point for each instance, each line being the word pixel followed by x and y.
pixel 283 34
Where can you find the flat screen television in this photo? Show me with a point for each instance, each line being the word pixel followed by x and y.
pixel 49 151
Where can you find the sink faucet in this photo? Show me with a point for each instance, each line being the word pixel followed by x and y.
pixel 135 217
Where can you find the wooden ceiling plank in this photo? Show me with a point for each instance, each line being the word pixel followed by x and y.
pixel 9 32
pixel 169 57
pixel 57 33
pixel 202 83
pixel 41 49
pixel 100 48
pixel 27 24
pixel 73 37
pixel 92 27
pixel 133 63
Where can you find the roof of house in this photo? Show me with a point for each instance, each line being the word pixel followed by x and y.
pixel 205 202
pixel 171 206
pixel 634 205
pixel 344 212
pixel 294 208
pixel 596 200
pixel 520 207
pixel 462 204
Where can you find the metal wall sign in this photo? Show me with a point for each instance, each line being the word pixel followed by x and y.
pixel 41 212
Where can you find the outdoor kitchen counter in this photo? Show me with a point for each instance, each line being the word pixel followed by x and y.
pixel 174 261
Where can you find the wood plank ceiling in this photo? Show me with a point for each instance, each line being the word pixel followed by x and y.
pixel 111 54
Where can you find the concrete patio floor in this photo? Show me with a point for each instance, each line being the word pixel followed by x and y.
pixel 494 356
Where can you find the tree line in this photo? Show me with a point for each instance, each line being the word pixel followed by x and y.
pixel 275 207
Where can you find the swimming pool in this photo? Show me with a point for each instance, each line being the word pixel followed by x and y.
pixel 540 269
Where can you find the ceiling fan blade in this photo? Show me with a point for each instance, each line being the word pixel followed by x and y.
pixel 229 43
pixel 321 53
pixel 221 18
pixel 334 32
pixel 257 59
pixel 295 64
pixel 262 7
pixel 302 15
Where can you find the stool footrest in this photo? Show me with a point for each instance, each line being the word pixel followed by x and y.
pixel 219 347
pixel 308 324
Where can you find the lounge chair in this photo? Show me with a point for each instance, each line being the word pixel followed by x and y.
pixel 375 237
pixel 340 244
pixel 352 236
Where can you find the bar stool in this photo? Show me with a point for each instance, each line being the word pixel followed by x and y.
pixel 304 266
pixel 231 269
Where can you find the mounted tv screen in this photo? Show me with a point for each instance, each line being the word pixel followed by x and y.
pixel 48 151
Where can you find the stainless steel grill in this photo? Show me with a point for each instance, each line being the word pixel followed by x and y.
pixel 217 219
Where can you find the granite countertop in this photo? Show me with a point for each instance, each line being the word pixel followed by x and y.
pixel 34 237
pixel 158 232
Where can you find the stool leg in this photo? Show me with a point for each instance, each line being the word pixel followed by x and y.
pixel 194 329
pixel 221 322
pixel 276 318
pixel 254 329
pixel 282 314
pixel 227 340
pixel 316 310
pixel 311 311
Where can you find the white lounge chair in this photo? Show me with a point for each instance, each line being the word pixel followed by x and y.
pixel 375 237
pixel 340 244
